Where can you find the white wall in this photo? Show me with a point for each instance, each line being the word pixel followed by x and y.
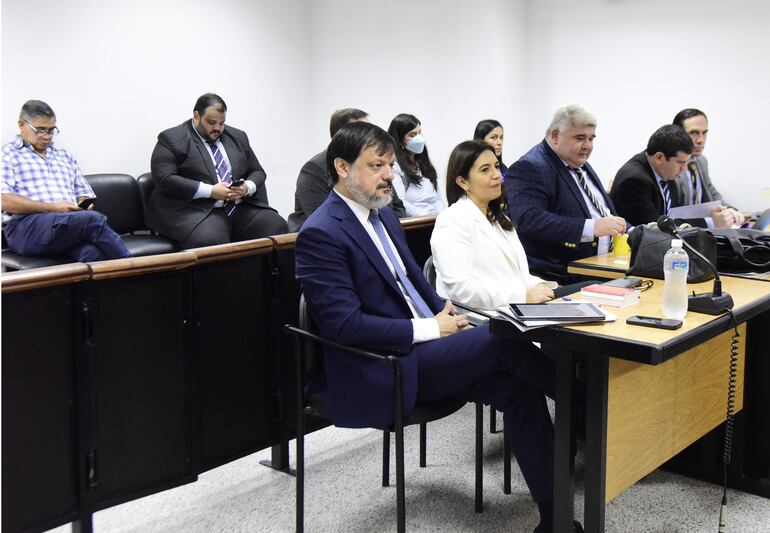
pixel 118 73
pixel 636 63
pixel 450 63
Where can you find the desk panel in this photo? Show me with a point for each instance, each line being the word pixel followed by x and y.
pixel 654 412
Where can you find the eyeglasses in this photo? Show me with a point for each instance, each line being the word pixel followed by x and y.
pixel 42 132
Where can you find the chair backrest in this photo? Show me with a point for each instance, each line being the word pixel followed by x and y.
pixel 312 353
pixel 430 271
pixel 146 186
pixel 119 199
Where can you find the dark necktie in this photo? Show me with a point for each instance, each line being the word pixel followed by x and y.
pixel 418 301
pixel 693 167
pixel 223 171
pixel 665 186
pixel 586 189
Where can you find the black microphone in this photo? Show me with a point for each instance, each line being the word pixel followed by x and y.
pixel 713 304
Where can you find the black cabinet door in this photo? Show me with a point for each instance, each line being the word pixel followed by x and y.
pixel 39 481
pixel 140 391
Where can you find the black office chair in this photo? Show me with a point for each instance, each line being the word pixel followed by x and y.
pixel 308 359
pixel 429 271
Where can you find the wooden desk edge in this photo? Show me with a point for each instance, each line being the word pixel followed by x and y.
pixel 38 278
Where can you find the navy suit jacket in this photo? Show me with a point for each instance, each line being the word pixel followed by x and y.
pixel 355 300
pixel 549 210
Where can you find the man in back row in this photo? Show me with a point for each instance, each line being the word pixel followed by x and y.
pixel 41 188
pixel 646 186
pixel 314 182
pixel 560 207
pixel 209 185
pixel 695 182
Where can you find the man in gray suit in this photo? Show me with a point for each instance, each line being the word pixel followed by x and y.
pixel 695 182
pixel 314 183
pixel 209 185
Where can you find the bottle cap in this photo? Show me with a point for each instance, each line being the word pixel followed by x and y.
pixel 676 243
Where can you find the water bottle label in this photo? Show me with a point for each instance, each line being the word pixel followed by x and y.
pixel 679 265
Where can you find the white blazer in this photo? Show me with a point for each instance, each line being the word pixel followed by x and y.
pixel 478 263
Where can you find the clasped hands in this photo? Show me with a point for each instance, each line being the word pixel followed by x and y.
pixel 222 191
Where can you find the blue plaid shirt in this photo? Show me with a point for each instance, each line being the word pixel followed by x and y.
pixel 53 179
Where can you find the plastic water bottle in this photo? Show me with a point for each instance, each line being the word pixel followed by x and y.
pixel 676 264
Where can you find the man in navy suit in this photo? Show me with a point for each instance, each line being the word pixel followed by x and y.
pixel 560 207
pixel 364 288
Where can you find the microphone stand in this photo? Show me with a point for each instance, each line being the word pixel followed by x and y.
pixel 711 304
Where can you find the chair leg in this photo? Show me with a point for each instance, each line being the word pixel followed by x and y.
pixel 400 489
pixel 386 458
pixel 479 457
pixel 300 496
pixel 493 420
pixel 506 464
pixel 423 440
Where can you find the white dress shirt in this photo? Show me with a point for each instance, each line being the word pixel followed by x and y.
pixel 419 198
pixel 424 329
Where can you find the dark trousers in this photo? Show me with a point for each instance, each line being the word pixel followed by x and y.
pixel 511 376
pixel 81 235
pixel 246 222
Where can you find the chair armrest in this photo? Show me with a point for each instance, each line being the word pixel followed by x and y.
pixel 298 332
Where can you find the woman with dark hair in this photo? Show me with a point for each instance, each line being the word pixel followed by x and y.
pixel 414 177
pixel 479 259
pixel 491 132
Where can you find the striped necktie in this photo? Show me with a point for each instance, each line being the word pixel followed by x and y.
pixel 693 167
pixel 223 171
pixel 586 189
pixel 665 187
pixel 410 289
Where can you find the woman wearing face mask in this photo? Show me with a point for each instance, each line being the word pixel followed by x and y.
pixel 479 259
pixel 414 177
pixel 491 132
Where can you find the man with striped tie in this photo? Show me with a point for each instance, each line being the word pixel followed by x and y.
pixel 557 201
pixel 209 185
pixel 646 187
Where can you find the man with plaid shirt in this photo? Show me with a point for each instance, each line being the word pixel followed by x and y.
pixel 41 188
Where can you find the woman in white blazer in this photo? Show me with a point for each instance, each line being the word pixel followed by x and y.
pixel 479 259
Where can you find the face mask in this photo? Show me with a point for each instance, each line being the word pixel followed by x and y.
pixel 416 144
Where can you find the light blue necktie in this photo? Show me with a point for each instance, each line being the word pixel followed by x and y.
pixel 666 195
pixel 422 307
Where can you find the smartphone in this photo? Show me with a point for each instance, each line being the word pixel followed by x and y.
pixel 626 283
pixel 654 322
pixel 85 204
pixel 237 183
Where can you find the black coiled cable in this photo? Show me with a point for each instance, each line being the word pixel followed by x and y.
pixel 728 443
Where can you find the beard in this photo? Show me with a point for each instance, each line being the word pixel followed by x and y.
pixel 370 201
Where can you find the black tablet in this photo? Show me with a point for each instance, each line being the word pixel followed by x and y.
pixel 557 311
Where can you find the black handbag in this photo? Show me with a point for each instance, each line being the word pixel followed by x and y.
pixel 649 245
pixel 742 250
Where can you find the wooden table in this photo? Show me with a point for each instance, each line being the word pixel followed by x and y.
pixel 650 392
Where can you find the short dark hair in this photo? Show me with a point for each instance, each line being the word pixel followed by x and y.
pixel 33 109
pixel 344 116
pixel 484 127
pixel 669 139
pixel 352 139
pixel 684 114
pixel 210 100
pixel 402 124
pixel 461 161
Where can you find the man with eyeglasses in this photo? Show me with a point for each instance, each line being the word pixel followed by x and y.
pixel 41 188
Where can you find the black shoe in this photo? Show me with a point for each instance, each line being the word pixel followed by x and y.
pixel 577 528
